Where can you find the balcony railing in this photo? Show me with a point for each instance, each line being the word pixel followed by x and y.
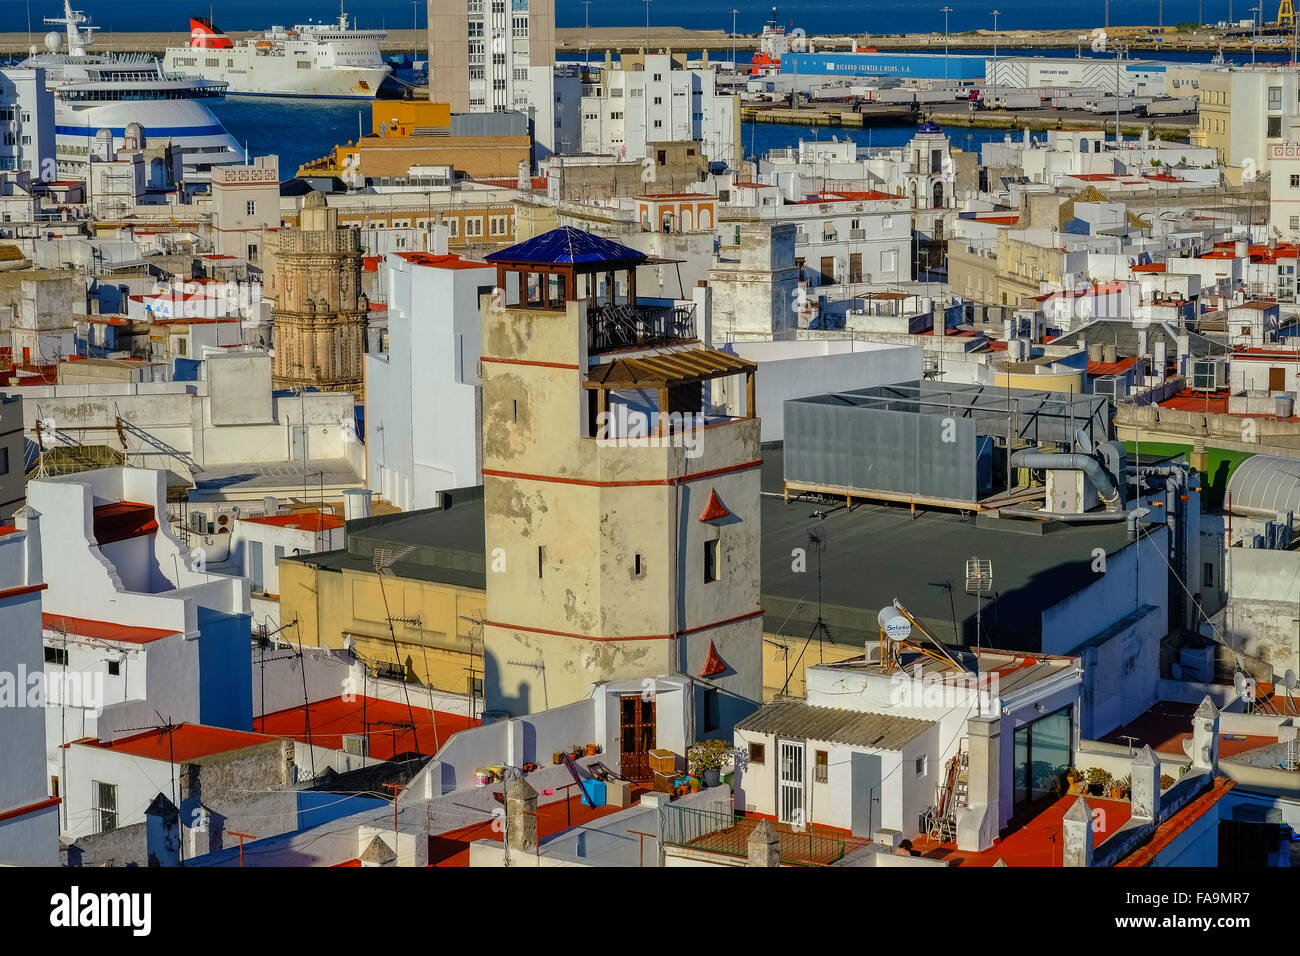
pixel 614 327
pixel 728 834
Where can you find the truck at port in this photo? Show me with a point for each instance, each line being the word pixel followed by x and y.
pixel 1173 106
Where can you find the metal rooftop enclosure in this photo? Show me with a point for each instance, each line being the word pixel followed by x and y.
pixel 927 442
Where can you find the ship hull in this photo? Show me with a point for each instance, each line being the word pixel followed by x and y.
pixel 271 76
pixel 188 124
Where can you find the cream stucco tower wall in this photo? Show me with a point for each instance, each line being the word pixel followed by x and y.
pixel 568 519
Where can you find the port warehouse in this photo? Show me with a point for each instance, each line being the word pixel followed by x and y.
pixel 1140 77
pixel 925 442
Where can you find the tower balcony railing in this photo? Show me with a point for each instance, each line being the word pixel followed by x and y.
pixel 621 326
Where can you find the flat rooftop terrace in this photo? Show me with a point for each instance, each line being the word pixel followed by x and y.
pixel 876 553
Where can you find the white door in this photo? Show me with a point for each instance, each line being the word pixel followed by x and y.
pixel 790 782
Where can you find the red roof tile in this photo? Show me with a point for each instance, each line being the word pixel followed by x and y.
pixel 103 630
pixel 308 521
pixel 386 723
pixel 186 742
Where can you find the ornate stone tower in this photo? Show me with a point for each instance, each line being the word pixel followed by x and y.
pixel 320 311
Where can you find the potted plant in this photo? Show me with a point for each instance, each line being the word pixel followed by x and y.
pixel 1120 787
pixel 705 760
pixel 1166 781
pixel 1076 780
pixel 1097 780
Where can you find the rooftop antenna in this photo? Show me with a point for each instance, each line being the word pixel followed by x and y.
pixel 979 579
pixel 384 559
pixel 818 539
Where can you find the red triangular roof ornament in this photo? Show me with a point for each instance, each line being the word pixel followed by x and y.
pixel 715 509
pixel 715 664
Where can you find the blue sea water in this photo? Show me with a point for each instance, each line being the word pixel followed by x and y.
pixel 813 16
pixel 299 130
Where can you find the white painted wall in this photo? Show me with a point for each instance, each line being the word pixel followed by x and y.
pixel 424 395
pixel 812 367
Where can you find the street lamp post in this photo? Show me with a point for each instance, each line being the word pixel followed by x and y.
pixel 1254 23
pixel 945 11
pixel 995 53
pixel 735 65
pixel 586 29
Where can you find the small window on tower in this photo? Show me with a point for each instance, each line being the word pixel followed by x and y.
pixel 636 565
pixel 710 561
pixel 541 553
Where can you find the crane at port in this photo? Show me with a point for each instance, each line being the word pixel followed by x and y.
pixel 1285 13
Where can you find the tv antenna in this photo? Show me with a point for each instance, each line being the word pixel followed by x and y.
pixel 1289 682
pixel 818 541
pixel 384 559
pixel 979 581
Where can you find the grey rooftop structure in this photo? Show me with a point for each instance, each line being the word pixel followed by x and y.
pixel 924 441
pixel 794 718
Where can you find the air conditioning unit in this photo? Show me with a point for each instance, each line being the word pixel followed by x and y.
pixel 1112 386
pixel 1209 375
pixel 198 522
pixel 356 745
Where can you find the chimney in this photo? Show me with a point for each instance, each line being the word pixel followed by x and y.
pixel 1076 835
pixel 1145 780
pixel 982 816
pixel 1205 737
pixel 764 845
pixel 162 836
pixel 521 816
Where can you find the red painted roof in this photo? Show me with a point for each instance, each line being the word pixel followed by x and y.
pixel 186 742
pixel 1178 824
pixel 307 521
pixel 122 520
pixel 7 529
pixel 370 263
pixel 1038 843
pixel 103 630
pixel 441 262
pixel 1111 368
pixel 386 722
pixel 451 848
pixel 1149 267
pixel 998 220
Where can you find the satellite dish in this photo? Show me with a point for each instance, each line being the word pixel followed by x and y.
pixel 1177 670
pixel 1083 440
pixel 1289 679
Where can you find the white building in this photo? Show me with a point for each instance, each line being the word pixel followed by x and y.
pixel 867 749
pixel 133 613
pixel 423 393
pixel 237 439
pixel 629 108
pixel 29 831
pixel 1110 74
pixel 245 203
pixel 26 123
pixel 481 53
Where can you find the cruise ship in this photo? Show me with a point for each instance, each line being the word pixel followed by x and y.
pixel 94 91
pixel 313 59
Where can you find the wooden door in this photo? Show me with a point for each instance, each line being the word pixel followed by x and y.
pixel 1277 379
pixel 636 735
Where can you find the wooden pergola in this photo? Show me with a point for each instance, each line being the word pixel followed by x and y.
pixel 677 375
